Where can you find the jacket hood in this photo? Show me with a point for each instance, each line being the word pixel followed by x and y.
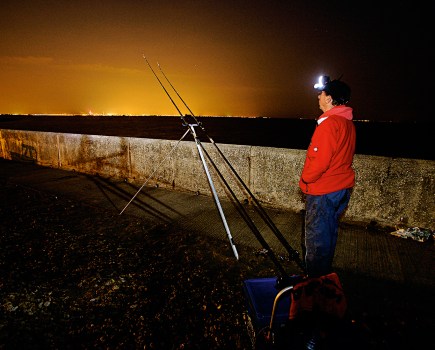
pixel 342 111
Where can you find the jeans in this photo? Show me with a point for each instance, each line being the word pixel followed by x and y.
pixel 321 230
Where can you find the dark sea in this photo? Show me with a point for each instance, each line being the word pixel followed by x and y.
pixel 391 139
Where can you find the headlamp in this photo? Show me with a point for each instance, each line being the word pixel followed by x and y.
pixel 323 80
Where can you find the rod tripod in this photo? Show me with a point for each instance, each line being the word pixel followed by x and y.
pixel 213 189
pixel 293 254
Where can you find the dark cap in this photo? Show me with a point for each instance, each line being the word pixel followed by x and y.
pixel 338 90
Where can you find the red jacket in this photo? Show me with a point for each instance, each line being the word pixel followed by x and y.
pixel 328 163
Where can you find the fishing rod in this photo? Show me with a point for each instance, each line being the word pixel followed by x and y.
pixel 191 128
pixel 293 254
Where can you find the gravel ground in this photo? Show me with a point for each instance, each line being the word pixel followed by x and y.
pixel 73 276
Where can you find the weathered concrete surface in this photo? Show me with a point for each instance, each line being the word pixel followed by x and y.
pixel 388 190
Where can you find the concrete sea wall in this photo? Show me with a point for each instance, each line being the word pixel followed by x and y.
pixel 388 191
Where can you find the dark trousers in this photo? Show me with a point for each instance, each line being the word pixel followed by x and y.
pixel 321 230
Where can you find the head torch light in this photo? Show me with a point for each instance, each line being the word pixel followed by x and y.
pixel 338 90
pixel 323 80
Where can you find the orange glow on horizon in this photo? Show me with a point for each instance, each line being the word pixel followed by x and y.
pixel 43 85
pixel 224 58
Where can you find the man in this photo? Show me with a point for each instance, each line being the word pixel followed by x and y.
pixel 327 176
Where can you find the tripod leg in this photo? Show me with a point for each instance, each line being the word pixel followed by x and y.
pixel 149 177
pixel 216 199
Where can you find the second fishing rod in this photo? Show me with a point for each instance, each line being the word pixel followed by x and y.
pixel 292 253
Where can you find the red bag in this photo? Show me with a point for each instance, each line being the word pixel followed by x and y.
pixel 322 295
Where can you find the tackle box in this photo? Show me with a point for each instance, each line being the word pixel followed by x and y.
pixel 260 294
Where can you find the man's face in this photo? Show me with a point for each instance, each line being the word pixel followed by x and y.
pixel 324 101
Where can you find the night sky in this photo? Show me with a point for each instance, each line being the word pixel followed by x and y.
pixel 232 58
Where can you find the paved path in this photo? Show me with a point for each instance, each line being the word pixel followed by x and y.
pixel 361 250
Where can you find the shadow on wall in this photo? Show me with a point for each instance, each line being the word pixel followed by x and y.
pixel 97 155
pixel 28 154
